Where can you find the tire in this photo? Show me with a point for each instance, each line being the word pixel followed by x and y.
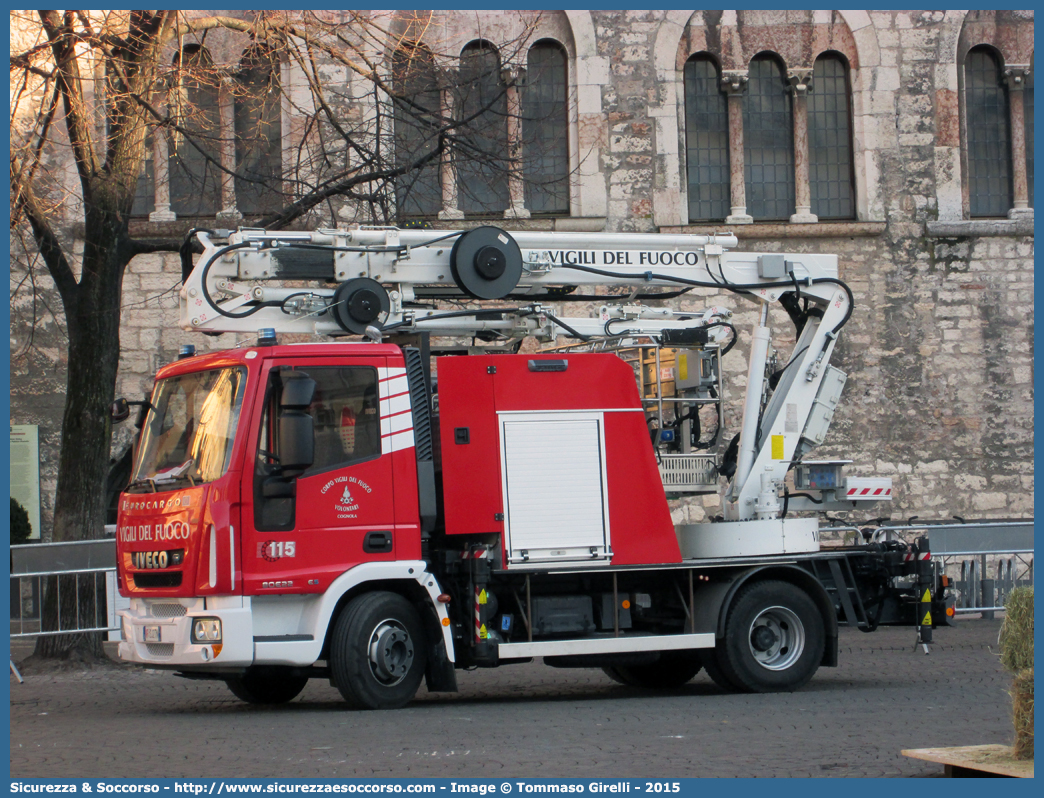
pixel 718 675
pixel 378 653
pixel 671 670
pixel 774 639
pixel 260 685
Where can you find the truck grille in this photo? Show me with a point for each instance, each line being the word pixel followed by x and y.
pixel 157 580
pixel 160 649
pixel 167 610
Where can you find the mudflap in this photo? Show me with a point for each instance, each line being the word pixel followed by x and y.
pixel 440 677
pixel 829 652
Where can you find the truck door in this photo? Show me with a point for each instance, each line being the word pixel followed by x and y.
pixel 305 529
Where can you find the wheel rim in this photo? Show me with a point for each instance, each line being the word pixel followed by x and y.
pixel 390 652
pixel 777 638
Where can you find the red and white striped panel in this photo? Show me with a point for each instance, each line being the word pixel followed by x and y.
pixel 872 489
pixel 396 415
pixel 924 555
pixel 869 493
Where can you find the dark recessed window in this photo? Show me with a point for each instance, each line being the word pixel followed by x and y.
pixel 768 139
pixel 259 142
pixel 706 141
pixel 417 117
pixel 481 155
pixel 195 149
pixel 1027 100
pixel 989 135
pixel 545 138
pixel 830 141
pixel 145 188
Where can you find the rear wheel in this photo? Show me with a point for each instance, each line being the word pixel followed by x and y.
pixel 261 685
pixel 672 669
pixel 774 639
pixel 378 653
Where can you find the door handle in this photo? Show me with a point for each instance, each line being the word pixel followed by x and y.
pixel 377 542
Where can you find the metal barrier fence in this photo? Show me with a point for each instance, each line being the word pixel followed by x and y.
pixel 967 553
pixel 87 568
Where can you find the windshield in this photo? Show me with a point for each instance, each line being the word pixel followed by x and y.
pixel 190 428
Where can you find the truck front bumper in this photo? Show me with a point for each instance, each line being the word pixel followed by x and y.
pixel 158 632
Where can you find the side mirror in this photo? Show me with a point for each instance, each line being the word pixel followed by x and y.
pixel 298 390
pixel 120 410
pixel 296 441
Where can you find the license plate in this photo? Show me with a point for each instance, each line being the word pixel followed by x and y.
pixel 152 634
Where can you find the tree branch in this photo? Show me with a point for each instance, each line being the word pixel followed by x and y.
pixel 76 116
pixel 50 249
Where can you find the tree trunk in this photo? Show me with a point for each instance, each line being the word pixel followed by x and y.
pixel 93 316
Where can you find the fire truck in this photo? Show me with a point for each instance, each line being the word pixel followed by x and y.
pixel 445 484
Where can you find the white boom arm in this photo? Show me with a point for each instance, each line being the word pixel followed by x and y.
pixel 384 280
pixel 287 281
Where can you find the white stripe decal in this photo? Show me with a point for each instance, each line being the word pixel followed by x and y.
pixel 398 441
pixel 232 554
pixel 395 405
pixel 394 387
pixel 388 373
pixel 392 424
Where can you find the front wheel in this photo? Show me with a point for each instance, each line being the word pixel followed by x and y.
pixel 774 638
pixel 260 685
pixel 378 652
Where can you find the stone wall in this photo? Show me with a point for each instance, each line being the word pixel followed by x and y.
pixel 939 352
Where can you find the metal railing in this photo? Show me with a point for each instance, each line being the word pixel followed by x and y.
pixel 967 552
pixel 88 568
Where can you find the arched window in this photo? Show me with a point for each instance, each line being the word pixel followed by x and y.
pixel 768 133
pixel 706 141
pixel 195 150
pixel 830 176
pixel 258 127
pixel 989 136
pixel 545 139
pixel 416 109
pixel 482 166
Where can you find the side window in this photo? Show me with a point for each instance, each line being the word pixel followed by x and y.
pixel 347 415
pixel 345 411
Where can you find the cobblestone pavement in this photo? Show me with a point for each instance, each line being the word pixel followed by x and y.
pixel 530 720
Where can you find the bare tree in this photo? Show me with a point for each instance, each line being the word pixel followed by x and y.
pixel 286 118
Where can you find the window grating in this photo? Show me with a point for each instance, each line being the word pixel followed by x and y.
pixel 768 133
pixel 481 159
pixel 706 142
pixel 545 141
pixel 416 114
pixel 989 138
pixel 830 141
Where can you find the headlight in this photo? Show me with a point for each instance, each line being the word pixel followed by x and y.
pixel 206 630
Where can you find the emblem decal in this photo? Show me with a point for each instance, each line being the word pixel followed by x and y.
pixel 347 504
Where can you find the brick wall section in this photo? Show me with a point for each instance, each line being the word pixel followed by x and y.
pixel 939 352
